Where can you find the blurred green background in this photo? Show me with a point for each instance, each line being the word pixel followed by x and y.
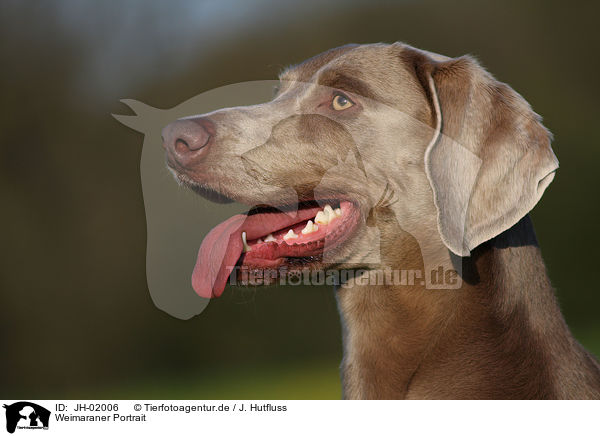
pixel 77 319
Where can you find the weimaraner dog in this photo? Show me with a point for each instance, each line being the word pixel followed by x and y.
pixel 385 158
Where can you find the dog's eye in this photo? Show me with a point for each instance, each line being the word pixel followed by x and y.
pixel 341 102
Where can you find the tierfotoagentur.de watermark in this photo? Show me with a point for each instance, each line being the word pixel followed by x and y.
pixel 241 275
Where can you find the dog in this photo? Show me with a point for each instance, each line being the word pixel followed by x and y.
pixel 384 157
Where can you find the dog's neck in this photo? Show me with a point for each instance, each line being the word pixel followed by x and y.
pixel 406 341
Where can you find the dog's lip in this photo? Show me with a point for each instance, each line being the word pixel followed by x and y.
pixel 217 196
pixel 302 204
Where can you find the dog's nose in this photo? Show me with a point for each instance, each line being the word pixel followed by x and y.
pixel 188 139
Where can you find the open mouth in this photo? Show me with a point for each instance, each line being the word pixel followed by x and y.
pixel 268 238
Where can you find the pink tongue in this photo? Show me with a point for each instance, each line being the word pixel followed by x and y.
pixel 222 247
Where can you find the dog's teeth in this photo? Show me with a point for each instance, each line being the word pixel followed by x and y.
pixel 338 211
pixel 327 215
pixel 246 247
pixel 270 238
pixel 290 235
pixel 259 241
pixel 310 228
pixel 331 215
pixel 322 218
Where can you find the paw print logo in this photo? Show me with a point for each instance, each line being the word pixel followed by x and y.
pixel 294 277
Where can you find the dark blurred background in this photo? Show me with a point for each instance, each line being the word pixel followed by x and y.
pixel 77 319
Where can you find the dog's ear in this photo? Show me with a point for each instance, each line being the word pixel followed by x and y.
pixel 490 159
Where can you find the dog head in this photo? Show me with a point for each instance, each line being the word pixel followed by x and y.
pixel 392 145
